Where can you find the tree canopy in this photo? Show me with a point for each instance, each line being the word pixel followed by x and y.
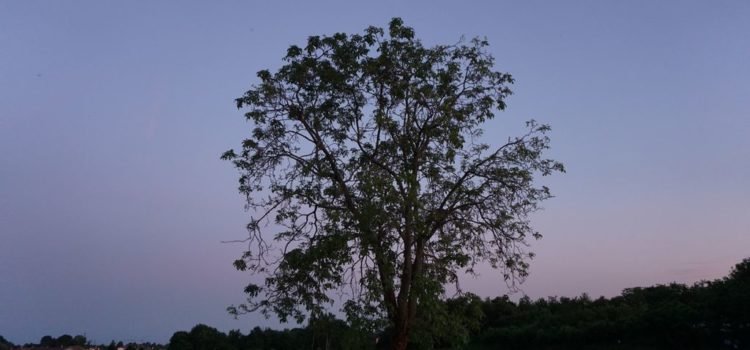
pixel 367 173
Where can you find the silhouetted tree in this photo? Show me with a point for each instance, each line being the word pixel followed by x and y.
pixel 365 152
pixel 5 344
pixel 47 341
pixel 79 340
pixel 180 341
pixel 64 340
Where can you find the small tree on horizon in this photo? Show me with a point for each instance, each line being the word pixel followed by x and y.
pixel 365 154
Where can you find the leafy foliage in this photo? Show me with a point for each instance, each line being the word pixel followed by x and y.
pixel 365 153
pixel 64 340
pixel 5 344
pixel 706 315
pixel 325 333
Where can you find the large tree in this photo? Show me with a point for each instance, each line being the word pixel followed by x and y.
pixel 366 173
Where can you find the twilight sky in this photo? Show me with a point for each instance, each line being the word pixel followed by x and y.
pixel 114 203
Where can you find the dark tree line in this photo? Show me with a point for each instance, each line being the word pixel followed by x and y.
pixel 67 340
pixel 706 315
pixel 48 341
pixel 322 333
pixel 713 314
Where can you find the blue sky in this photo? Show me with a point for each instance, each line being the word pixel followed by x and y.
pixel 113 202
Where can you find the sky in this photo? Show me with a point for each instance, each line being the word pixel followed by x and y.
pixel 114 203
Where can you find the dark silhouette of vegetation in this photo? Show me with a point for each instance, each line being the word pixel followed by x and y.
pixel 366 153
pixel 325 333
pixel 65 340
pixel 706 315
pixel 78 341
pixel 5 344
pixel 670 316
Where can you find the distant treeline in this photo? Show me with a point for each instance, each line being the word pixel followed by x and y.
pixel 78 341
pixel 63 341
pixel 706 315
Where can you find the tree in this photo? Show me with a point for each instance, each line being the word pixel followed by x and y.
pixel 65 340
pixel 180 341
pixel 80 340
pixel 366 154
pixel 47 341
pixel 5 344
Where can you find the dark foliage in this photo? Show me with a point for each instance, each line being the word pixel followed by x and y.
pixel 5 344
pixel 707 315
pixel 366 154
pixel 62 341
pixel 79 341
pixel 322 333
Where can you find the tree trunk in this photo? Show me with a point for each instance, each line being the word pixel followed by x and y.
pixel 400 340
